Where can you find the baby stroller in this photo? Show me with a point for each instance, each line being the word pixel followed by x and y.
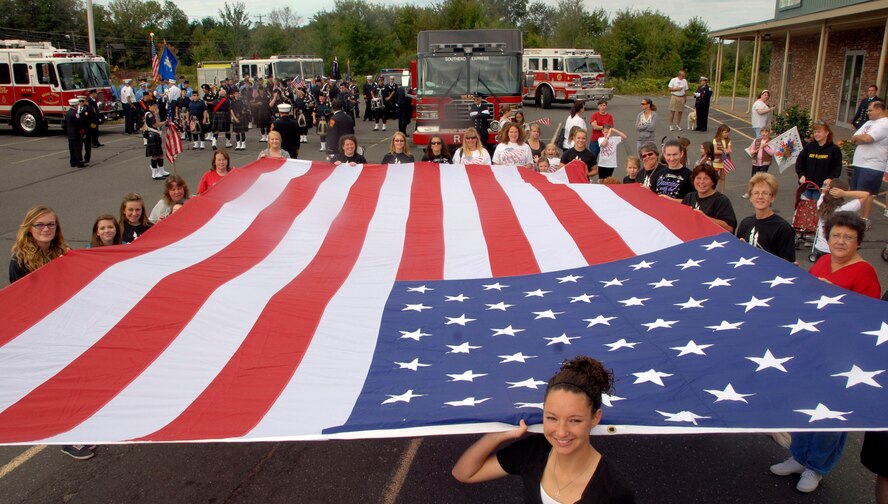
pixel 804 219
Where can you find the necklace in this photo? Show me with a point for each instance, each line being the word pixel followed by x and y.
pixel 559 487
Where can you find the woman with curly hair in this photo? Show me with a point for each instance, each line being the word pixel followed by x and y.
pixel 39 240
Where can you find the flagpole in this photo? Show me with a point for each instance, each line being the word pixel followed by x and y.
pixel 154 49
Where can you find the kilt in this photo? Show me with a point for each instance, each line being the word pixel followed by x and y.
pixel 262 117
pixel 154 147
pixel 322 128
pixel 221 121
pixel 240 127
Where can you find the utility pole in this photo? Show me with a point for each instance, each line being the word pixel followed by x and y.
pixel 90 26
pixel 260 16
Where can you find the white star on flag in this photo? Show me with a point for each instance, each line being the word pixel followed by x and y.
pixel 416 307
pixel 857 375
pixel 744 261
pixel 652 376
pixel 569 278
pixel 714 245
pixel 642 265
pixel 719 282
pixel 468 376
pixel 468 401
pixel 518 357
pixel 611 283
pixel 682 416
pixel 498 286
pixel 461 320
pixel 585 298
pixel 608 400
pixel 692 303
pixel 563 339
pixel 663 283
pixel 633 301
pixel 621 343
pixel 826 300
pixel 755 303
pixel 413 365
pixel 546 314
pixel 536 293
pixel 729 394
pixel 769 361
pixel 779 280
pixel 462 348
pixel 726 326
pixel 459 298
pixel 499 306
pixel 422 289
pixel 691 348
pixel 528 383
pixel 405 397
pixel 821 412
pixel 801 325
pixel 601 319
pixel 414 335
pixel 536 405
pixel 507 331
pixel 659 324
pixel 691 263
pixel 881 334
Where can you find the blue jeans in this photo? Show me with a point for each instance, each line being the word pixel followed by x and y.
pixel 818 451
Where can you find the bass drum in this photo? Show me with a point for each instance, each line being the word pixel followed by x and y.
pixel 376 104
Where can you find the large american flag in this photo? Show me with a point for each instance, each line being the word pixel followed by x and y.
pixel 155 63
pixel 172 146
pixel 298 300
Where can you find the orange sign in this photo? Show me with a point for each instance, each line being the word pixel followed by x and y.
pixel 51 98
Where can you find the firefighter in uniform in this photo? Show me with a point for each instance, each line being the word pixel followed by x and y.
pixel 339 125
pixel 95 119
pixel 390 100
pixel 368 96
pixel 480 115
pixel 75 138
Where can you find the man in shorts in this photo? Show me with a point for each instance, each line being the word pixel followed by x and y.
pixel 678 87
pixel 870 156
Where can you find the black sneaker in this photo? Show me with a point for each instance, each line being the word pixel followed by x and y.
pixel 78 452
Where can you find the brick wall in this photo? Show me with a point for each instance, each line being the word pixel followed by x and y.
pixel 803 52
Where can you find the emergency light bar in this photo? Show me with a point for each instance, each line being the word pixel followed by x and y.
pixel 468 48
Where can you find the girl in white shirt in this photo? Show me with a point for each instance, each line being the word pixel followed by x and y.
pixel 575 119
pixel 512 150
pixel 472 150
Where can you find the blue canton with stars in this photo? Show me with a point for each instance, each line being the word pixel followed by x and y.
pixel 710 334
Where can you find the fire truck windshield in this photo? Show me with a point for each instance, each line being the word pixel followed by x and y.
pixel 83 74
pixel 583 65
pixel 460 75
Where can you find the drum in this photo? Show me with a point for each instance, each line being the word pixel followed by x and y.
pixel 376 104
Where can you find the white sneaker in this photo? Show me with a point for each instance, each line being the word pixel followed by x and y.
pixel 227 144
pixel 194 146
pixel 383 127
pixel 163 173
pixel 886 212
pixel 787 467
pixel 678 127
pixel 809 481
pixel 376 128
pixel 155 174
pixel 201 145
pixel 671 128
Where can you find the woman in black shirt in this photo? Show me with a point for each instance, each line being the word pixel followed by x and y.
pixel 437 152
pixel 348 152
pixel 398 153
pixel 559 464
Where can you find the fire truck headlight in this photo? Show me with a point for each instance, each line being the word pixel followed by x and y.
pixel 494 126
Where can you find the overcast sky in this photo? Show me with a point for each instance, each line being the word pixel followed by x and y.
pixel 717 14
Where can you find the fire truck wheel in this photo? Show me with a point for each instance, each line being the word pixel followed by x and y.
pixel 29 121
pixel 546 98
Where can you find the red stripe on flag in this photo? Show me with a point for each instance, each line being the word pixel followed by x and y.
pixel 423 256
pixel 138 339
pixel 58 281
pixel 173 144
pixel 598 242
pixel 251 382
pixel 508 249
pixel 683 222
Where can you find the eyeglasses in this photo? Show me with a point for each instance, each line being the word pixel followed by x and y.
pixel 644 103
pixel 647 155
pixel 41 226
pixel 756 194
pixel 436 143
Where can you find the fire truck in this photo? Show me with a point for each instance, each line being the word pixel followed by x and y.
pixel 450 66
pixel 281 66
pixel 37 80
pixel 563 75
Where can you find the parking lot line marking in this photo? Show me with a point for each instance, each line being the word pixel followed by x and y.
pixel 21 459
pixel 400 476
pixel 59 152
pixel 19 143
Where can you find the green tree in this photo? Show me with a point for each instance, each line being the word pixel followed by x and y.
pixel 235 28
pixel 694 46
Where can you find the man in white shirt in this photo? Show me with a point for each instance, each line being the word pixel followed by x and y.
pixel 128 99
pixel 173 93
pixel 871 155
pixel 678 86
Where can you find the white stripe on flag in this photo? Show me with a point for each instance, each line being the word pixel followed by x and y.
pixel 326 385
pixel 464 242
pixel 207 343
pixel 641 232
pixel 553 246
pixel 36 355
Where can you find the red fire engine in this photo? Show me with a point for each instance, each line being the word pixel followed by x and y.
pixel 450 66
pixel 563 75
pixel 37 80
